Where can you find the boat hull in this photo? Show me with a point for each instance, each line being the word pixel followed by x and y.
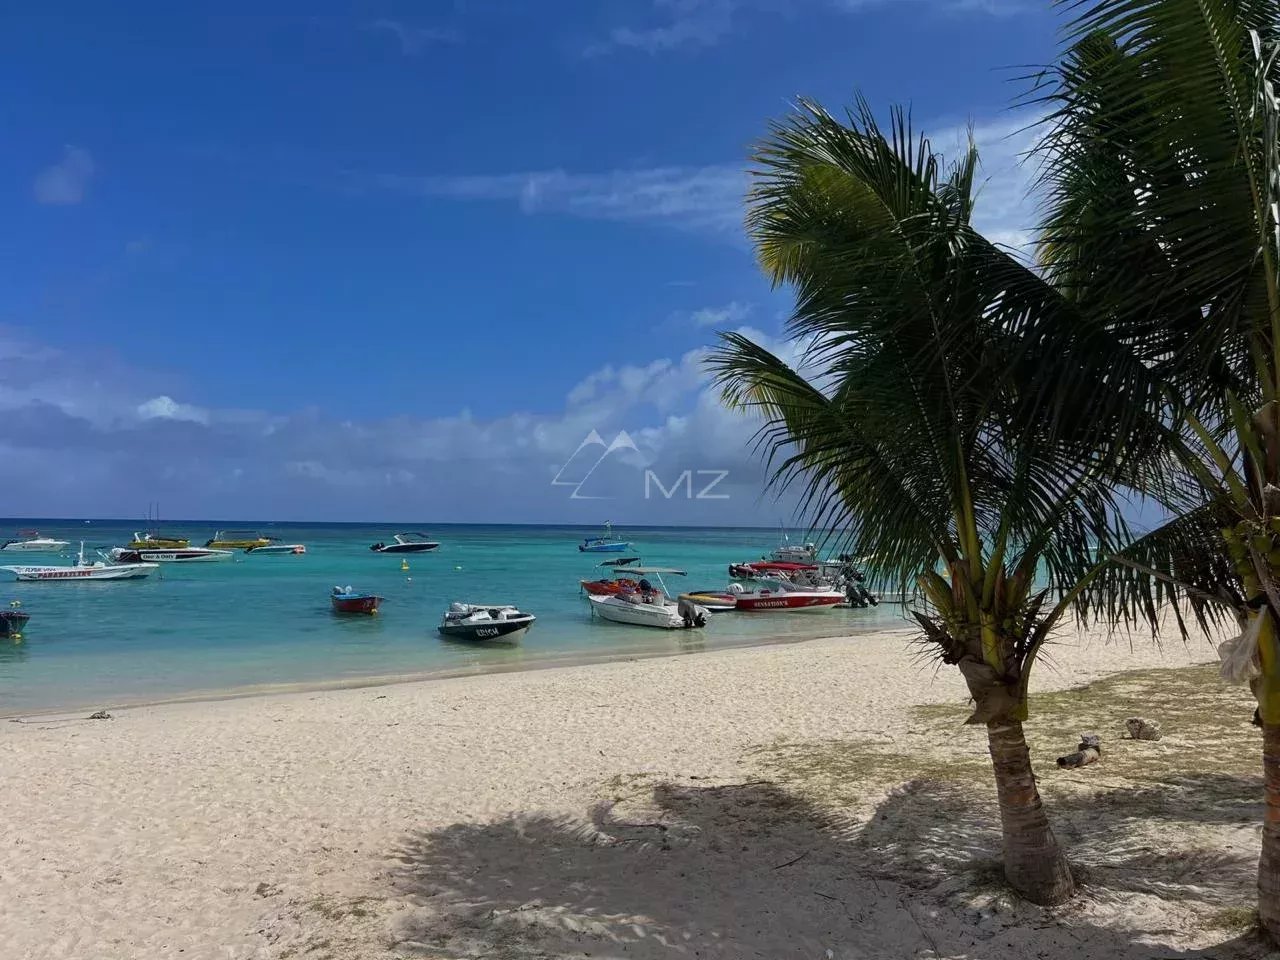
pixel 664 617
pixel 12 623
pixel 713 600
pixel 356 604
pixel 279 549
pixel 122 571
pixel 788 602
pixel 189 555
pixel 405 548
pixel 493 632
pixel 603 547
pixel 35 546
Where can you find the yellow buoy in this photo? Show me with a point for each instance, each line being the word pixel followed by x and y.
pixel 404 564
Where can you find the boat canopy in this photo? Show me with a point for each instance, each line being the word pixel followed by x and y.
pixel 620 562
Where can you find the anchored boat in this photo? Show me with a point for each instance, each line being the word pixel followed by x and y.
pixel 488 623
pixel 406 543
pixel 295 549
pixel 32 542
pixel 85 570
pixel 236 540
pixel 622 578
pixel 13 620
pixel 168 555
pixel 605 543
pixel 157 541
pixel 781 586
pixel 647 606
pixel 716 601
pixel 346 600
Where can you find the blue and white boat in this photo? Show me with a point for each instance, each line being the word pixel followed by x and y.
pixel 606 543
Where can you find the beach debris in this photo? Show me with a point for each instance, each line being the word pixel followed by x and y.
pixel 1140 729
pixel 100 715
pixel 1239 655
pixel 265 889
pixel 1090 749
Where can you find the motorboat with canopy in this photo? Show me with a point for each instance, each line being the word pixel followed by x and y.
pixel 647 605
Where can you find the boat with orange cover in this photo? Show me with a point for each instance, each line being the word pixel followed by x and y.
pixel 612 587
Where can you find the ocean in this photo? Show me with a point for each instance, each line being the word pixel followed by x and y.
pixel 264 622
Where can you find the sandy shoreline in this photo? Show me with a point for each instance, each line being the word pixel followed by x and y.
pixel 355 822
pixel 551 661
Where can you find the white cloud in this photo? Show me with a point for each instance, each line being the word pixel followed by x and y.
pixel 712 197
pixel 695 24
pixel 166 408
pixel 64 184
pixel 707 197
pixel 685 23
pixel 730 315
pixel 415 40
pixel 1005 210
pixel 59 410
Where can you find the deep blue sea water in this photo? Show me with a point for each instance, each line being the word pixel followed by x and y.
pixel 265 620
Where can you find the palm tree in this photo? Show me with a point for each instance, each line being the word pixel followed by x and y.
pixel 919 423
pixel 1161 170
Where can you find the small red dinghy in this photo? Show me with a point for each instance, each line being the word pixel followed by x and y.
pixel 345 600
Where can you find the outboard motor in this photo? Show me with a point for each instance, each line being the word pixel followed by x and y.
pixel 690 613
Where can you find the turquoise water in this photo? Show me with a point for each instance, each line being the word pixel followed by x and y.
pixel 265 620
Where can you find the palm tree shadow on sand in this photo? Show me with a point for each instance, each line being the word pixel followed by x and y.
pixel 752 870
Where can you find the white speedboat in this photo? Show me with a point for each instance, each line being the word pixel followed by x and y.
pixel 85 570
pixel 275 549
pixel 168 555
pixel 489 623
pixel 647 606
pixel 34 543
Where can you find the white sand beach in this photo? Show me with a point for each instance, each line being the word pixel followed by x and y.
pixel 647 809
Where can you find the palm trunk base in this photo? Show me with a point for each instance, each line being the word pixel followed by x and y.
pixel 1034 864
pixel 1269 862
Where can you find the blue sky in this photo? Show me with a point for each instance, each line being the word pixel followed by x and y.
pixel 398 261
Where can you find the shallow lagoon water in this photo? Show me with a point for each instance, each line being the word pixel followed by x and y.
pixel 265 621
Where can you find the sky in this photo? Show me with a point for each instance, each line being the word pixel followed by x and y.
pixel 451 261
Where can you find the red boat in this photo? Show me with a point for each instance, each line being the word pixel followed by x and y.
pixel 773 585
pixel 345 600
pixel 609 588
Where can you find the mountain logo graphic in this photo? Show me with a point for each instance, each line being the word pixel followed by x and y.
pixel 593 449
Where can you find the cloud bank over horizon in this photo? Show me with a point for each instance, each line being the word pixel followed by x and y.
pixel 81 436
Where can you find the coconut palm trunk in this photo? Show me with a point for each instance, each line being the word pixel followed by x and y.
pixel 1160 169
pixel 1034 863
pixel 1269 862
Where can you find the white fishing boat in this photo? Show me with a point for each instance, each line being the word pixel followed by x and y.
pixel 788 552
pixel 276 549
pixel 168 555
pixel 85 570
pixel 34 543
pixel 647 606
